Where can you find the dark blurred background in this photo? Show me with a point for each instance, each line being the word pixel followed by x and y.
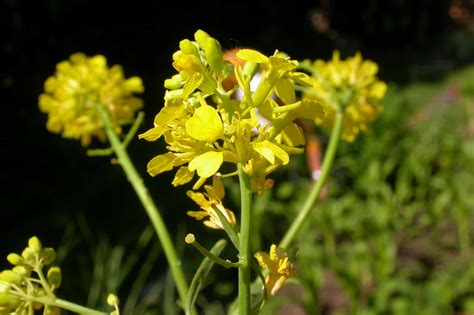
pixel 48 182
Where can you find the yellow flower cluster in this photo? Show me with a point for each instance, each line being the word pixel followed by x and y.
pixel 76 85
pixel 204 125
pixel 352 84
pixel 279 266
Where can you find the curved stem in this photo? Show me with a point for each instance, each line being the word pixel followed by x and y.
pixel 244 248
pixel 147 202
pixel 313 196
pixel 76 308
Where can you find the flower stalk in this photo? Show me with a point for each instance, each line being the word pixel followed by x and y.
pixel 146 200
pixel 244 248
pixel 298 223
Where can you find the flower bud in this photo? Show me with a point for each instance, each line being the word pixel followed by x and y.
pixel 188 48
pixel 22 270
pixel 15 259
pixel 28 254
pixel 7 299
pixel 201 38
pixel 213 52
pixel 51 310
pixel 54 277
pixel 176 82
pixel 11 277
pixel 35 244
pixel 112 300
pixel 48 255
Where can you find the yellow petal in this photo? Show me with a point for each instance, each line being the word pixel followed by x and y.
pixel 378 90
pixel 205 125
pixel 270 150
pixel 207 164
pixel 183 176
pixel 285 91
pixel 252 55
pixel 293 135
pixel 192 84
pixel 160 164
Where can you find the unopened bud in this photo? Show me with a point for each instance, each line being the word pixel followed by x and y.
pixel 112 300
pixel 15 259
pixel 11 277
pixel 48 255
pixel 35 244
pixel 201 38
pixel 54 277
pixel 188 48
pixel 176 82
pixel 213 52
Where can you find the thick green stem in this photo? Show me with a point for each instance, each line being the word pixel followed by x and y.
pixel 76 308
pixel 313 196
pixel 147 202
pixel 244 248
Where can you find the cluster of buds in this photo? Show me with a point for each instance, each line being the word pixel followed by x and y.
pixel 22 287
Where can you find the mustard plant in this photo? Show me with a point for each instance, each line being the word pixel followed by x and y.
pixel 220 120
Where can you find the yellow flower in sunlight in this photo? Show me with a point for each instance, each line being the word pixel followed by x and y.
pixel 352 84
pixel 76 85
pixel 209 202
pixel 206 126
pixel 280 268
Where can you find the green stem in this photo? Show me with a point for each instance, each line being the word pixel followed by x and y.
pixel 76 308
pixel 244 248
pixel 313 196
pixel 147 202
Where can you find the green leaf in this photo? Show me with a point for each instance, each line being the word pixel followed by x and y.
pixel 201 275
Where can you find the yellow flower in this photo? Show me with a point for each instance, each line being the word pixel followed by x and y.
pixel 352 84
pixel 209 201
pixel 280 268
pixel 205 127
pixel 77 83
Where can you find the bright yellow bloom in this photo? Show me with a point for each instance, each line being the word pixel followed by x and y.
pixel 280 268
pixel 209 201
pixel 352 84
pixel 204 126
pixel 76 85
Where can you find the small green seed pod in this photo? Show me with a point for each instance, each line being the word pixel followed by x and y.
pixel 54 277
pixel 201 38
pixel 250 69
pixel 213 52
pixel 35 244
pixel 188 48
pixel 11 277
pixel 15 259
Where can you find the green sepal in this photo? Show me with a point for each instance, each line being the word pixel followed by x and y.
pixel 54 277
pixel 201 275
